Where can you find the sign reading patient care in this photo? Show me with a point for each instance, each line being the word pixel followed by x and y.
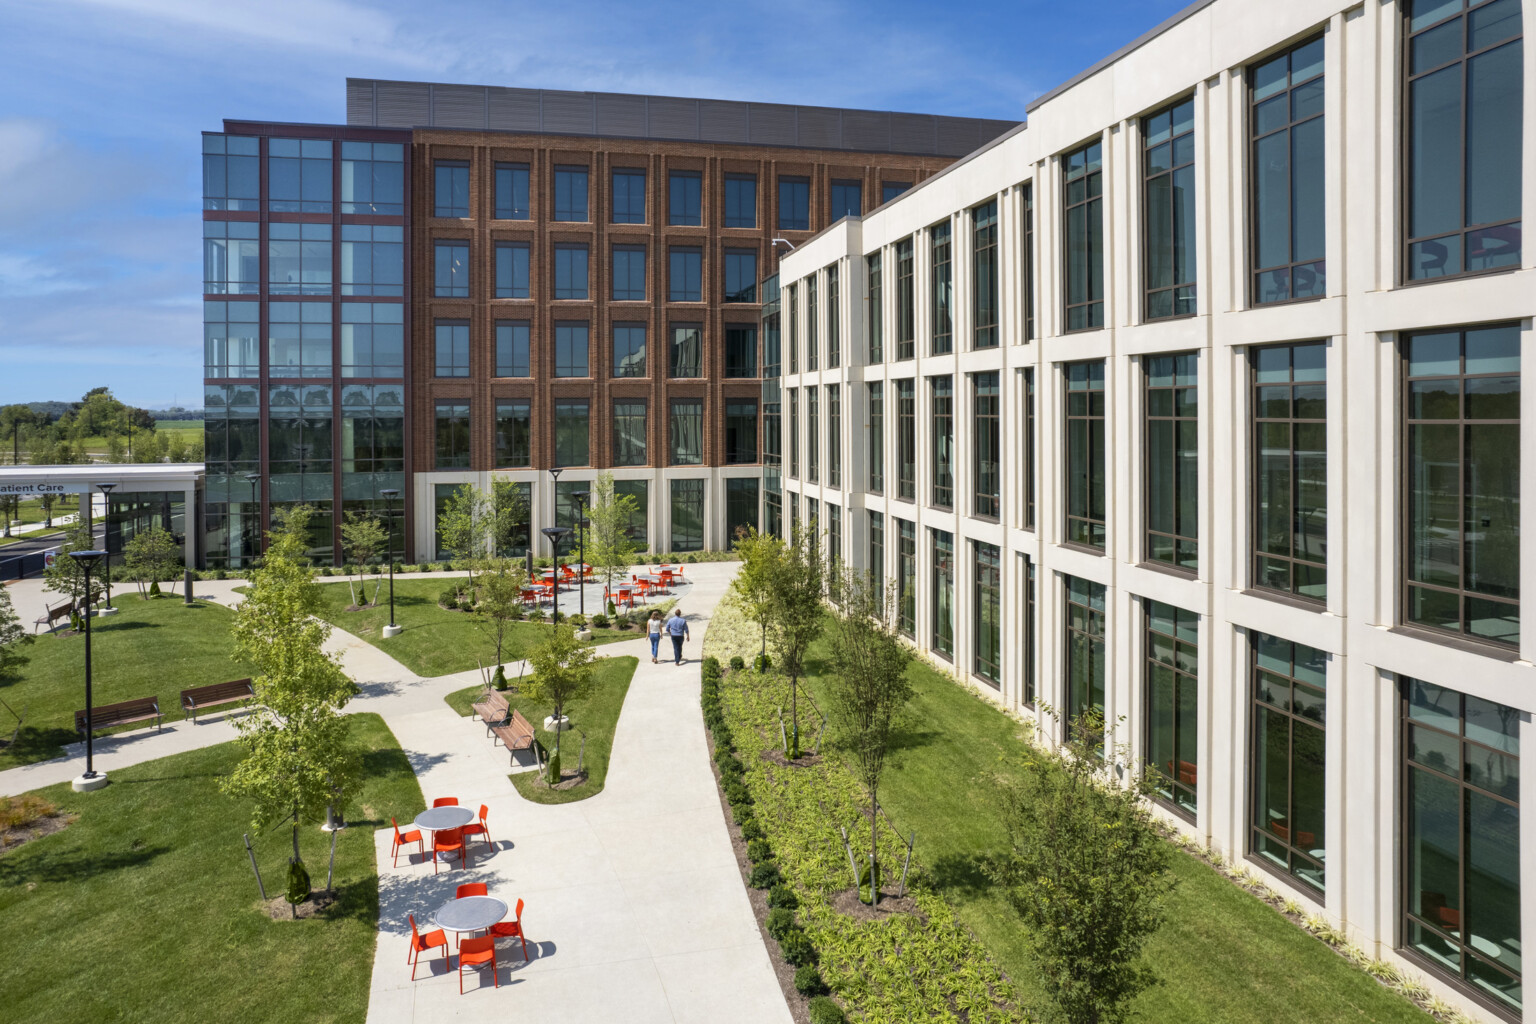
pixel 32 488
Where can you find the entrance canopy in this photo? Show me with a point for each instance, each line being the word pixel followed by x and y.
pixel 164 494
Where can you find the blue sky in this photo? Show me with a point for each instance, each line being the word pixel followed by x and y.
pixel 103 101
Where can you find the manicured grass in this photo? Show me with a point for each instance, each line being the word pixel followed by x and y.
pixel 145 909
pixel 31 510
pixel 149 648
pixel 597 716
pixel 435 642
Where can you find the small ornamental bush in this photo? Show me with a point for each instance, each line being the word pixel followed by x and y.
pixel 736 793
pixel 599 621
pixel 578 620
pixel 220 574
pixel 449 598
pixel 762 662
pixel 753 829
pixel 764 876
pixel 154 589
pixel 758 851
pixel 742 814
pixel 825 1011
pixel 736 663
pixel 808 981
pixel 782 895
pixel 797 947
pixel 780 921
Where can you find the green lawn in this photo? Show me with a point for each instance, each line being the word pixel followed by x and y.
pixel 145 909
pixel 435 642
pixel 31 510
pixel 1225 957
pixel 597 716
pixel 149 648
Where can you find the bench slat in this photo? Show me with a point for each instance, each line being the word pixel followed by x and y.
pixel 140 709
pixel 198 697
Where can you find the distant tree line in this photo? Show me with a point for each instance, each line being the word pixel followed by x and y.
pixel 97 428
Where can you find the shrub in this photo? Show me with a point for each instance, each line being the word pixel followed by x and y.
pixel 154 589
pixel 758 851
pixel 449 598
pixel 499 681
pixel 537 615
pixel 808 981
pixel 780 921
pixel 752 830
pixel 741 813
pixel 519 613
pixel 578 620
pixel 710 666
pixel 762 662
pixel 220 574
pixel 736 663
pixel 825 1011
pixel 797 947
pixel 736 793
pixel 782 895
pixel 17 811
pixel 599 621
pixel 763 876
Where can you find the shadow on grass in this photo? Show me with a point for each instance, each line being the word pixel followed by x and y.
pixel 358 901
pixel 117 627
pixel 962 875
pixel 34 744
pixel 74 866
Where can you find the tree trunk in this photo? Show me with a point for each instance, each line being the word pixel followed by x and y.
pixel 765 639
pixel 296 856
pixel 794 715
pixel 874 858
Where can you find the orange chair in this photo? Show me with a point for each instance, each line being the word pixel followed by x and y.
pixel 481 829
pixel 446 801
pixel 477 953
pixel 401 838
pixel 449 840
pixel 421 943
pixel 471 889
pixel 512 930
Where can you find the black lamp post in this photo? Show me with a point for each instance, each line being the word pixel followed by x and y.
pixel 556 534
pixel 106 524
pixel 390 494
pixel 251 479
pixel 581 541
pixel 86 560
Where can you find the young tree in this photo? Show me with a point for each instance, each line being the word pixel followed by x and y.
pixel 297 760
pixel 10 505
pixel 610 547
pixel 562 675
pixel 47 501
pixel 506 510
pixel 753 588
pixel 869 686
pixel 13 636
pixel 65 575
pixel 796 619
pixel 362 537
pixel 1087 872
pixel 151 557
pixel 461 525
pixel 501 597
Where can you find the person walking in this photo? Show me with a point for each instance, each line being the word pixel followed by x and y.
pixel 677 628
pixel 655 626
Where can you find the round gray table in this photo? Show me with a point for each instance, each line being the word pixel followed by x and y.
pixel 469 913
pixel 439 818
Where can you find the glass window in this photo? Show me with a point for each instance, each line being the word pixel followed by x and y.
pixel 299 259
pixel 232 339
pixel 299 442
pixel 1083 216
pixel 232 173
pixel 372 259
pixel 740 275
pixel 684 204
pixel 687 515
pixel 740 350
pixel 629 273
pixel 513 349
pixel 1172 482
pixel 741 501
pixel 512 270
pixel 1289 762
pixel 834 319
pixel 572 437
pixel 450 182
pixel 1462 481
pixel 943 611
pixel 685 354
pixel 629 433
pixel 740 201
pixel 1085 453
pixel 570 272
pixel 941 297
pixel 639 520
pixel 941 411
pixel 299 339
pixel 629 350
pixel 986 614
pixel 984 303
pixel 812 434
pixel 741 433
pixel 372 438
pixel 906 440
pixel 686 428
pixel 231 258
pixel 1168 200
pixel 986 448
pixel 812 322
pixel 834 543
pixel 1031 687
pixel 1027 271
pixel 891 189
pixel 794 432
pixel 451 348
pixel 1290 476
pixel 876 566
pixel 1286 130
pixel 834 436
pixel 571 346
pixel 1173 705
pixel 1463 128
pixel 905 320
pixel 1461 838
pixel 794 330
pixel 771 343
pixel 906 577
pixel 794 204
pixel 875 403
pixel 372 339
pixel 873 318
pixel 1029 449
pixel 1085 655
pixel 514 435
pixel 450 269
pixel 685 282
pixel 628 195
pixel 512 192
pixel 373 178
pixel 299 175
pixel 571 193
pixel 452 435
pixel 847 200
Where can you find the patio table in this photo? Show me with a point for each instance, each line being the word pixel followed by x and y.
pixel 437 819
pixel 470 913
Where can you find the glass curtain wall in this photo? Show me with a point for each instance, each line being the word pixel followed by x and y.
pixel 986 614
pixel 1085 464
pixel 1289 760
pixel 943 596
pixel 1085 683
pixel 941 291
pixel 1083 249
pixel 1172 411
pixel 1290 478
pixel 941 402
pixel 1288 216
pixel 1173 704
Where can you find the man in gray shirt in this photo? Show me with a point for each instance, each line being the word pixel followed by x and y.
pixel 677 629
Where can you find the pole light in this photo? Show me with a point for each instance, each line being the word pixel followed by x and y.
pixel 390 494
pixel 556 534
pixel 581 540
pixel 252 478
pixel 106 520
pixel 91 779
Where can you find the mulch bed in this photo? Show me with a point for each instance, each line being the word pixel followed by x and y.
pixel 775 755
pixel 279 909
pixel 12 838
pixel 848 902
pixel 568 780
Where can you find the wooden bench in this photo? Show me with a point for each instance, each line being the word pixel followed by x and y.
pixel 105 716
pixel 200 697
pixel 491 707
pixel 52 615
pixel 515 735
